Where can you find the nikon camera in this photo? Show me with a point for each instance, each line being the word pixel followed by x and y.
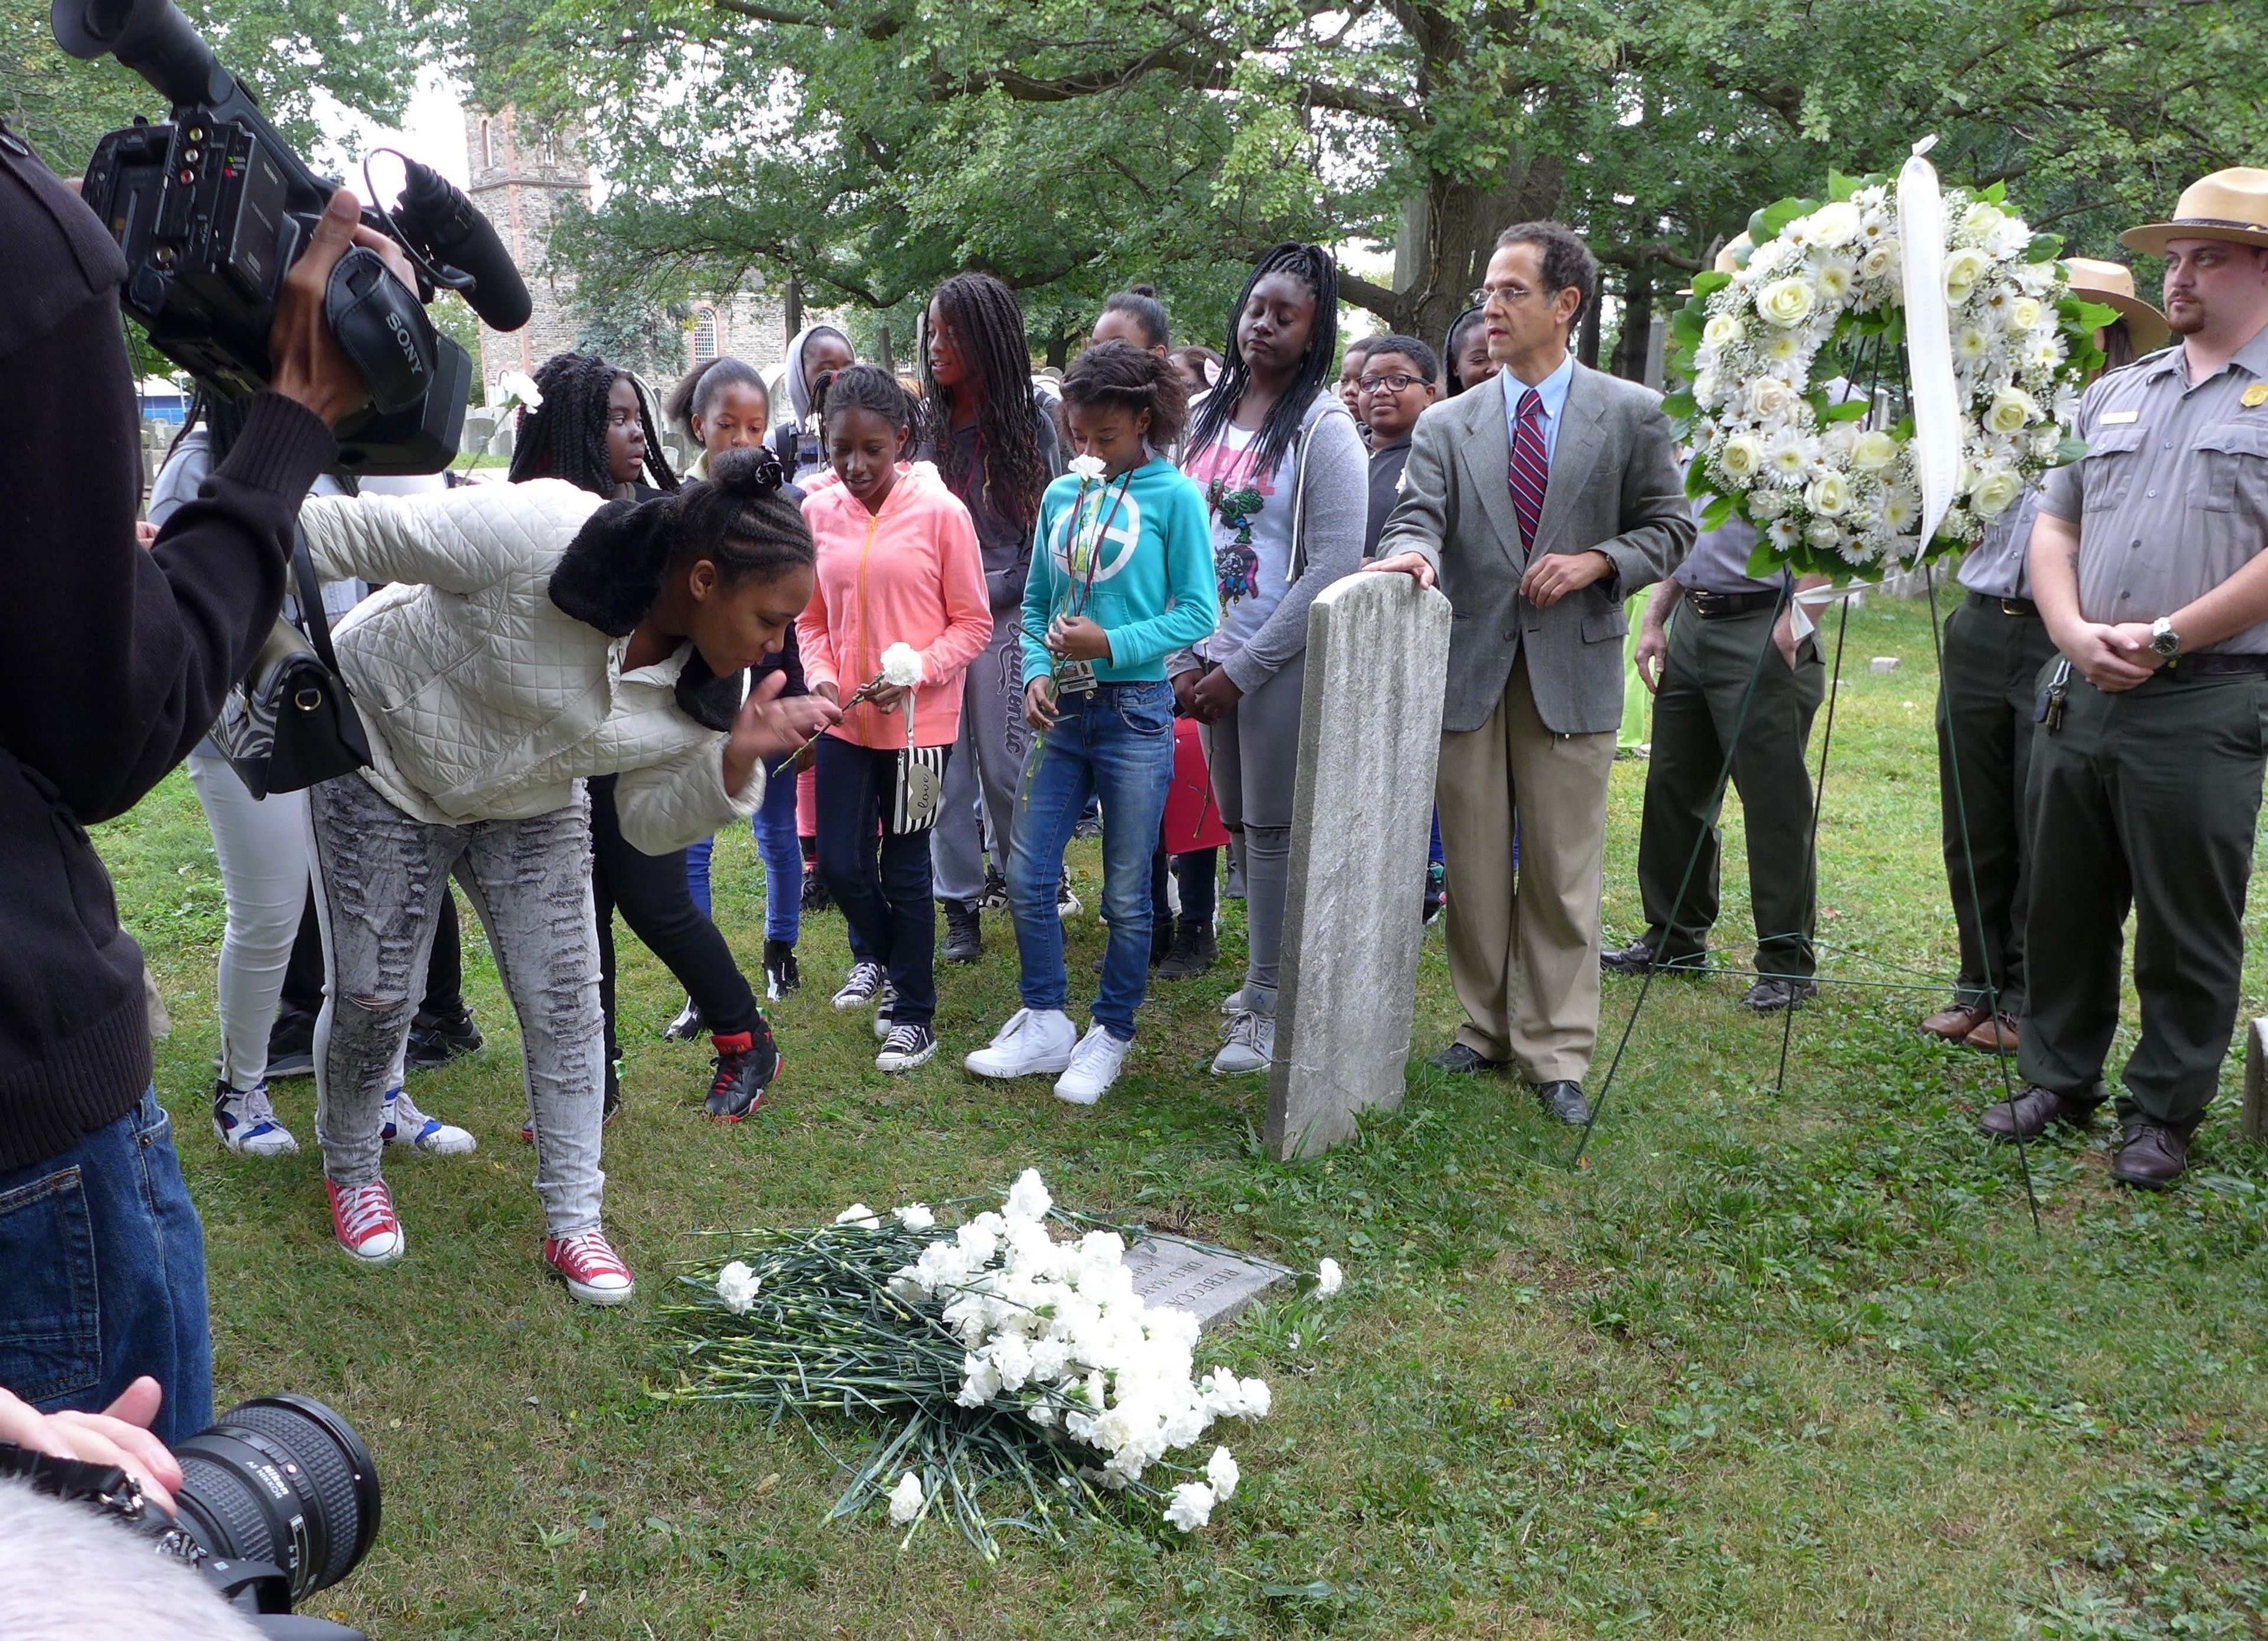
pixel 211 209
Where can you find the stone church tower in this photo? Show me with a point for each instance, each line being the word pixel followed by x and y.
pixel 521 174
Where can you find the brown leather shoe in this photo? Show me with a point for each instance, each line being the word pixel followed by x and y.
pixel 1996 1035
pixel 1954 1023
pixel 2151 1156
pixel 2030 1112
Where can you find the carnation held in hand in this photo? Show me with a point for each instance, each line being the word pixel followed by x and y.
pixel 901 667
pixel 1796 368
pixel 1086 469
pixel 990 1360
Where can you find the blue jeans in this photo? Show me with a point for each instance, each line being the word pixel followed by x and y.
pixel 777 846
pixel 106 1276
pixel 1116 743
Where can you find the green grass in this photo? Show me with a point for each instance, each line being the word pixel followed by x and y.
pixel 1771 1363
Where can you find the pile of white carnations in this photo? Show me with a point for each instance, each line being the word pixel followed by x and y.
pixel 1795 406
pixel 997 1360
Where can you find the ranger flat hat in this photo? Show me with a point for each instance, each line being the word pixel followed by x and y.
pixel 2231 205
pixel 2112 284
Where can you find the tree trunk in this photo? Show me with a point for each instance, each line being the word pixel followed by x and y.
pixel 794 306
pixel 1447 235
pixel 1058 347
pixel 1638 322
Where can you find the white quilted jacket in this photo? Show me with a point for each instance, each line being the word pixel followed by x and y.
pixel 484 701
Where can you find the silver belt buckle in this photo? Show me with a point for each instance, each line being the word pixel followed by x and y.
pixel 1075 677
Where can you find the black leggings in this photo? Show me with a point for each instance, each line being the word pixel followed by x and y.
pixel 651 891
pixel 882 881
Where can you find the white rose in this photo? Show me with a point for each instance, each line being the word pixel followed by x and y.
pixel 2011 412
pixel 1771 399
pixel 1824 535
pixel 1962 270
pixel 1982 219
pixel 1743 457
pixel 1995 491
pixel 1829 496
pixel 1874 451
pixel 1835 224
pixel 1786 301
pixel 905 1499
pixel 1881 257
pixel 2025 314
pixel 1722 331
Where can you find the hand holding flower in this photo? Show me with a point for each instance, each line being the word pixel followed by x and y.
pixel 1039 709
pixel 1075 638
pixel 770 727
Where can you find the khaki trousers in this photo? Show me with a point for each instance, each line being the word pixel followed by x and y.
pixel 1524 947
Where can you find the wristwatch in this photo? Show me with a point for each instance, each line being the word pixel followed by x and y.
pixel 2164 641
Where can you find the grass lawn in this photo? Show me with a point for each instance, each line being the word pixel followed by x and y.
pixel 1770 1363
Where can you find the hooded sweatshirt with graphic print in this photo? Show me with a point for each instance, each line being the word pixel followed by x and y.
pixel 1134 555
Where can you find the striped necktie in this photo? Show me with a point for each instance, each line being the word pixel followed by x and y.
pixel 1531 468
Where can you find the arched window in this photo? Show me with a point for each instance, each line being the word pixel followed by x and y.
pixel 550 154
pixel 488 145
pixel 704 334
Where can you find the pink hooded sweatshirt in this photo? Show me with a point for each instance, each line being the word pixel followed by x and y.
pixel 912 574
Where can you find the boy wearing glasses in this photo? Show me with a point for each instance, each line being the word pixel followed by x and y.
pixel 1396 384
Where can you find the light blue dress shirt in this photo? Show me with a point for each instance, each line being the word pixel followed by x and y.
pixel 1554 389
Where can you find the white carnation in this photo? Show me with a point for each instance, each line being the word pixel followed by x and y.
pixel 901 667
pixel 1329 1280
pixel 1027 1199
pixel 1192 1506
pixel 858 1214
pixel 517 387
pixel 905 1499
pixel 1086 469
pixel 737 1286
pixel 1221 1472
pixel 917 1217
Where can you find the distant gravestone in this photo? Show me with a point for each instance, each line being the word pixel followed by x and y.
pixel 2256 1081
pixel 1370 736
pixel 1211 1282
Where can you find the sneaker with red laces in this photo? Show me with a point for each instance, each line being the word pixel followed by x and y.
pixel 363 1221
pixel 748 1062
pixel 593 1272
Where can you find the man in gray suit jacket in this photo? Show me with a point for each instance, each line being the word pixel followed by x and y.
pixel 1537 501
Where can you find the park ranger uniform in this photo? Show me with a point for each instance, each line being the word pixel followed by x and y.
pixel 2151 795
pixel 1722 623
pixel 1995 645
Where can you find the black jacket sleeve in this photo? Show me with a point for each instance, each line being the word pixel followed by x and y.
pixel 117 660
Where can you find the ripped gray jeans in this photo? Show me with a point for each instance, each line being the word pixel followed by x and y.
pixel 380 877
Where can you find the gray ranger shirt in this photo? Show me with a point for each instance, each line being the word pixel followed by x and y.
pixel 2171 498
pixel 1998 566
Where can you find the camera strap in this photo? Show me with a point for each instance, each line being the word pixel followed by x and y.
pixel 314 620
pixel 74 1480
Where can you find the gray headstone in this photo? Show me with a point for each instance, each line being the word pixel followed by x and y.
pixel 2255 1080
pixel 1212 1283
pixel 1370 736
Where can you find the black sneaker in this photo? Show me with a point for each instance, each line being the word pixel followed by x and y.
pixel 781 975
pixel 906 1046
pixel 687 1026
pixel 1194 951
pixel 995 898
pixel 746 1065
pixel 291 1045
pixel 815 898
pixel 964 933
pixel 437 1039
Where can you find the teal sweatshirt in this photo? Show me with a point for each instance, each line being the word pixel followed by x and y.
pixel 1154 588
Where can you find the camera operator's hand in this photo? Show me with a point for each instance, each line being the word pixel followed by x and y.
pixel 118 1436
pixel 307 362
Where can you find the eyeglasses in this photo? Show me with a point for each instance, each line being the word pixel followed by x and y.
pixel 1481 296
pixel 1394 383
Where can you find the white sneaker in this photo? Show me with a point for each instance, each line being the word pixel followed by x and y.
pixel 1034 1042
pixel 407 1125
pixel 247 1123
pixel 1235 1003
pixel 1251 1045
pixel 1095 1065
pixel 1066 901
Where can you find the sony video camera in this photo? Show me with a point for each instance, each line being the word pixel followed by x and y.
pixel 211 209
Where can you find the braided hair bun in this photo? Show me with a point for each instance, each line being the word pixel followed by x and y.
pixel 750 474
pixel 739 519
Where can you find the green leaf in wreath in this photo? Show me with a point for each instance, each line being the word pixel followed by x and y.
pixel 2068 450
pixel 1696 479
pixel 1998 194
pixel 1849 411
pixel 2088 316
pixel 1679 406
pixel 2044 247
pixel 1766 223
pixel 1713 516
pixel 1840 188
pixel 1765 558
pixel 1705 285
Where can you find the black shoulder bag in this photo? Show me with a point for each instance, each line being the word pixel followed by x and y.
pixel 291 723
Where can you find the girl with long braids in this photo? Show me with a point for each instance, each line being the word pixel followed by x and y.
pixel 594 430
pixel 994 448
pixel 538 638
pixel 1286 478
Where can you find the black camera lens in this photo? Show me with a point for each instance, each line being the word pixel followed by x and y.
pixel 282 1480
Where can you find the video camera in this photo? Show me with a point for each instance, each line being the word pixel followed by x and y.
pixel 211 209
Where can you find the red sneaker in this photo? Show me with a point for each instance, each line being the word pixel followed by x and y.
pixel 363 1221
pixel 593 1272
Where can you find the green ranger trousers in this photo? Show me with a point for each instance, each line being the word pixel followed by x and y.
pixel 2147 798
pixel 1992 662
pixel 1705 678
